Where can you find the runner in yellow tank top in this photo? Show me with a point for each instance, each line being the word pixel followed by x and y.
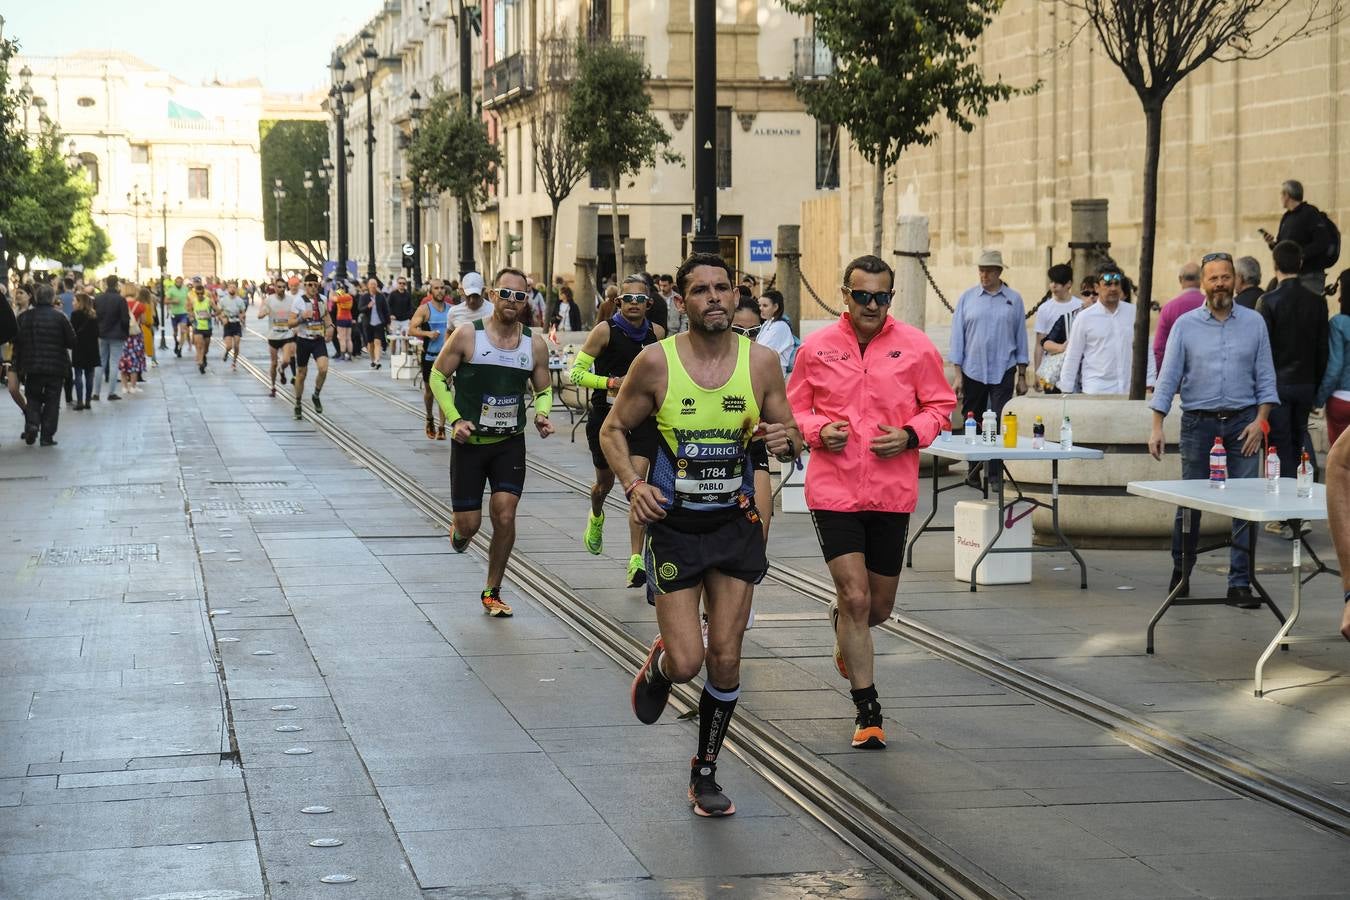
pixel 709 391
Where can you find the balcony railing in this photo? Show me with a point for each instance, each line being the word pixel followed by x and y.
pixel 558 58
pixel 509 79
pixel 811 59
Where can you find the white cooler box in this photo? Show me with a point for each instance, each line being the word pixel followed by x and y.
pixel 793 494
pixel 976 525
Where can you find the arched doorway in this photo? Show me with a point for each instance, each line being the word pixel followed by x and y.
pixel 199 257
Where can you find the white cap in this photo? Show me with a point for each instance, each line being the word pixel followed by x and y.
pixel 472 283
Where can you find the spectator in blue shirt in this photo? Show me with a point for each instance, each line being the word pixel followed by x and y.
pixel 1218 357
pixel 989 341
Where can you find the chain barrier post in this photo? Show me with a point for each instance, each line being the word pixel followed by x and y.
pixel 911 294
pixel 785 276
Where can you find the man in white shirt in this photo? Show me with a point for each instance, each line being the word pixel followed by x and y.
pixel 474 306
pixel 1061 302
pixel 1100 355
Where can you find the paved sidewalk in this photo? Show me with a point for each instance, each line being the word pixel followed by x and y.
pixel 449 754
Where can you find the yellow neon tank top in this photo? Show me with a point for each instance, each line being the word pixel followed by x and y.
pixel 702 467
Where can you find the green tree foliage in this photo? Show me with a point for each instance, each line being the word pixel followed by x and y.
pixel 48 198
pixel 13 149
pixel 452 153
pixel 560 165
pixel 899 64
pixel 289 148
pixel 609 116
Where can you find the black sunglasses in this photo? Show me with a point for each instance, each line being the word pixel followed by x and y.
pixel 752 331
pixel 865 298
pixel 511 296
pixel 635 298
pixel 1089 294
pixel 1211 257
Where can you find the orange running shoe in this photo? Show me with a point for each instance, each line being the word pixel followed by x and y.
pixel 868 733
pixel 651 690
pixel 431 430
pixel 493 605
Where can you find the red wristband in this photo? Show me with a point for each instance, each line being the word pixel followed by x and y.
pixel 628 491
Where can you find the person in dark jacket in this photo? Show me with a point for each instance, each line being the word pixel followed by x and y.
pixel 1299 332
pixel 400 306
pixel 85 357
pixel 1302 223
pixel 114 326
pixel 42 354
pixel 566 314
pixel 373 310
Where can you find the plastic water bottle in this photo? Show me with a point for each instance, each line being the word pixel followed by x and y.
pixel 1066 435
pixel 1010 429
pixel 1218 465
pixel 1038 435
pixel 1304 480
pixel 989 428
pixel 971 429
pixel 1272 471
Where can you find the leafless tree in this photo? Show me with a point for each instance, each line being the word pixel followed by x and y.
pixel 561 166
pixel 1156 44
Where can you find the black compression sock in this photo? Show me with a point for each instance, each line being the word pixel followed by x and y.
pixel 864 695
pixel 715 709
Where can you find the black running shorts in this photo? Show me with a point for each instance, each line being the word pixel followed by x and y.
pixel 878 536
pixel 427 366
pixel 306 349
pixel 377 333
pixel 278 343
pixel 676 560
pixel 641 440
pixel 501 466
pixel 234 329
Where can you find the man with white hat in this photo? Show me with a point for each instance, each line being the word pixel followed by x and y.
pixel 474 307
pixel 989 341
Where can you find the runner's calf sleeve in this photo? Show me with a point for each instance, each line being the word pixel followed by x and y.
pixel 715 709
pixel 440 389
pixel 582 376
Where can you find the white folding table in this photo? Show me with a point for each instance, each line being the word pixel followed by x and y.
pixel 995 457
pixel 1246 499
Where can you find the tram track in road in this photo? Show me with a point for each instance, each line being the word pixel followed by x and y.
pixel 913 858
pixel 1189 754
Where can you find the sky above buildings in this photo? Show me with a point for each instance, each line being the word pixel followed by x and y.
pixel 285 44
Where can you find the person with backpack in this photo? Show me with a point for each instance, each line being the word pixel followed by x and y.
pixel 1316 235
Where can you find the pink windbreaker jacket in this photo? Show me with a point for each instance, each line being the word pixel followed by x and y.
pixel 900 381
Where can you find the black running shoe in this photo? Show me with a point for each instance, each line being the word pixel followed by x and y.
pixel 318 405
pixel 202 368
pixel 299 414
pixel 457 543
pixel 705 793
pixel 651 692
pixel 283 375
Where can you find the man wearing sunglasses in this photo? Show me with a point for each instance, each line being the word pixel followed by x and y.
pixel 500 368
pixel 1099 357
pixel 601 365
pixel 989 341
pixel 711 392
pixel 868 392
pixel 475 306
pixel 1219 358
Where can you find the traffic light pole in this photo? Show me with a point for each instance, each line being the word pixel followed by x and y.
pixel 466 254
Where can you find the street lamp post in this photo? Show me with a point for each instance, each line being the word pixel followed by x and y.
pixel 278 194
pixel 466 29
pixel 137 198
pixel 163 262
pixel 415 114
pixel 308 184
pixel 705 127
pixel 369 62
pixel 340 95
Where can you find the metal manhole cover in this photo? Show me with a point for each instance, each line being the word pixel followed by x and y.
pixel 251 484
pixel 98 554
pixel 255 507
pixel 134 488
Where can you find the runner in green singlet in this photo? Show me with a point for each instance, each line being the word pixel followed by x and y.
pixel 712 392
pixel 203 310
pixel 177 296
pixel 500 369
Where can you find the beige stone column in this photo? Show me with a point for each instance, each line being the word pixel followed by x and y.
pixel 911 286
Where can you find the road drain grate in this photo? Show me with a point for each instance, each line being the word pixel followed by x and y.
pixel 98 555
pixel 255 507
pixel 134 488
pixel 250 484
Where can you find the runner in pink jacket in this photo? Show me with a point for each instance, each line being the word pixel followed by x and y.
pixel 866 392
pixel 898 382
